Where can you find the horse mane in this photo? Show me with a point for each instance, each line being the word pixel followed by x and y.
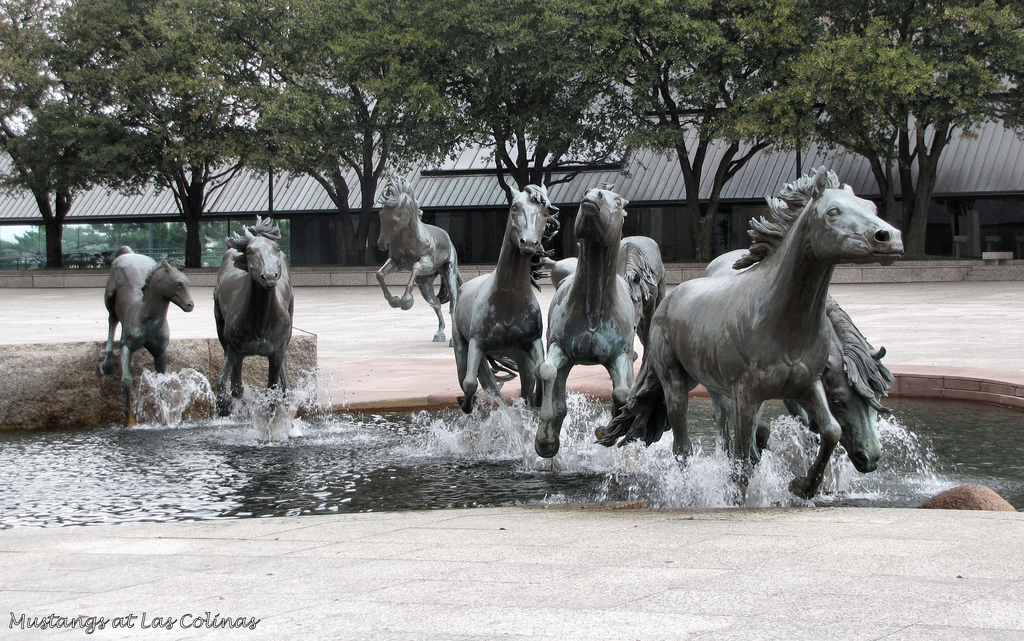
pixel 638 266
pixel 395 190
pixel 539 194
pixel 172 262
pixel 767 234
pixel 265 227
pixel 868 376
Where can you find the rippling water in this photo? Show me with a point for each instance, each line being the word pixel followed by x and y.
pixel 446 459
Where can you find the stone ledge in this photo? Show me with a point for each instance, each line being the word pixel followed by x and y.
pixel 60 385
pixel 910 271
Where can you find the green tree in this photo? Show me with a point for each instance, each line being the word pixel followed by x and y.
pixel 704 79
pixel 357 92
pixel 177 74
pixel 57 145
pixel 534 89
pixel 895 81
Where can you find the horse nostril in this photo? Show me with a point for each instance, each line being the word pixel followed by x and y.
pixel 882 236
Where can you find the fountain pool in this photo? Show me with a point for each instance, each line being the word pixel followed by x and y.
pixel 447 460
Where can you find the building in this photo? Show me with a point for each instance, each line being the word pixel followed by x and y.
pixel 978 204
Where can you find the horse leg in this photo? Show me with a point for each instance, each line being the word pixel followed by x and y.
pixel 829 432
pixel 126 383
pixel 406 301
pixel 277 376
pixel 390 267
pixel 676 384
pixel 224 397
pixel 553 373
pixel 427 291
pixel 474 357
pixel 528 373
pixel 722 410
pixel 621 372
pixel 108 354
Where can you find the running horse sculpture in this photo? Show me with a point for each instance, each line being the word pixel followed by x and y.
pixel 641 265
pixel 252 306
pixel 763 333
pixel 497 315
pixel 424 250
pixel 590 320
pixel 855 380
pixel 137 295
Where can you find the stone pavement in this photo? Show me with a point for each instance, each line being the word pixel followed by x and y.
pixel 576 572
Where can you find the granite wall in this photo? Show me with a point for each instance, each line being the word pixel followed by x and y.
pixel 60 385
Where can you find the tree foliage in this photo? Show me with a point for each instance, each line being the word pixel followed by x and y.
pixel 356 90
pixel 703 80
pixel 534 88
pixel 895 81
pixel 57 145
pixel 176 76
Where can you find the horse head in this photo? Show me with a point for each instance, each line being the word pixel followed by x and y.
pixel 855 413
pixel 855 380
pixel 167 281
pixel 846 228
pixel 399 211
pixel 600 217
pixel 258 252
pixel 532 219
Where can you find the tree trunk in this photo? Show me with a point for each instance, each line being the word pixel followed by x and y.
pixel 193 242
pixel 701 225
pixel 53 223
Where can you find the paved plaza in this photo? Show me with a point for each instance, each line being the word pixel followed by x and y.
pixel 559 572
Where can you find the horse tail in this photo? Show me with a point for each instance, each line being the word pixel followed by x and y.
pixel 644 416
pixel 503 369
pixel 444 293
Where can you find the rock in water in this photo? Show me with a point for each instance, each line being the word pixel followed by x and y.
pixel 968 497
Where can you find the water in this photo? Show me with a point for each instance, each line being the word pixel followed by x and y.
pixel 220 469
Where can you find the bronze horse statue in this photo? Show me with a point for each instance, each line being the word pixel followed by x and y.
pixel 854 378
pixel 137 295
pixel 252 306
pixel 590 320
pixel 641 265
pixel 423 250
pixel 497 315
pixel 763 333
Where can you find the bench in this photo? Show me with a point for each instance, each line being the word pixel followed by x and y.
pixel 996 258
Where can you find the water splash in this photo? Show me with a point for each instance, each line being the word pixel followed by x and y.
pixel 274 414
pixel 708 478
pixel 165 399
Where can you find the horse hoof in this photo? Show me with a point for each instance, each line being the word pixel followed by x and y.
pixel 544 449
pixel 464 405
pixel 802 488
pixel 108 368
pixel 439 338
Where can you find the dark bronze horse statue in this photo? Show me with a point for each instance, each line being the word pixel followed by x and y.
pixel 423 250
pixel 641 265
pixel 590 320
pixel 252 305
pixel 763 333
pixel 855 380
pixel 137 295
pixel 497 315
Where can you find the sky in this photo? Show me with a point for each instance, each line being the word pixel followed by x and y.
pixel 9 232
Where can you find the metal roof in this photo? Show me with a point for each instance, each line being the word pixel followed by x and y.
pixel 992 162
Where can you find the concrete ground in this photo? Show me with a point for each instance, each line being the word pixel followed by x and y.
pixel 576 572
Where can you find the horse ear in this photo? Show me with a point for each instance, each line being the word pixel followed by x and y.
pixel 621 203
pixel 879 354
pixel 552 210
pixel 820 181
pixel 241 262
pixel 248 234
